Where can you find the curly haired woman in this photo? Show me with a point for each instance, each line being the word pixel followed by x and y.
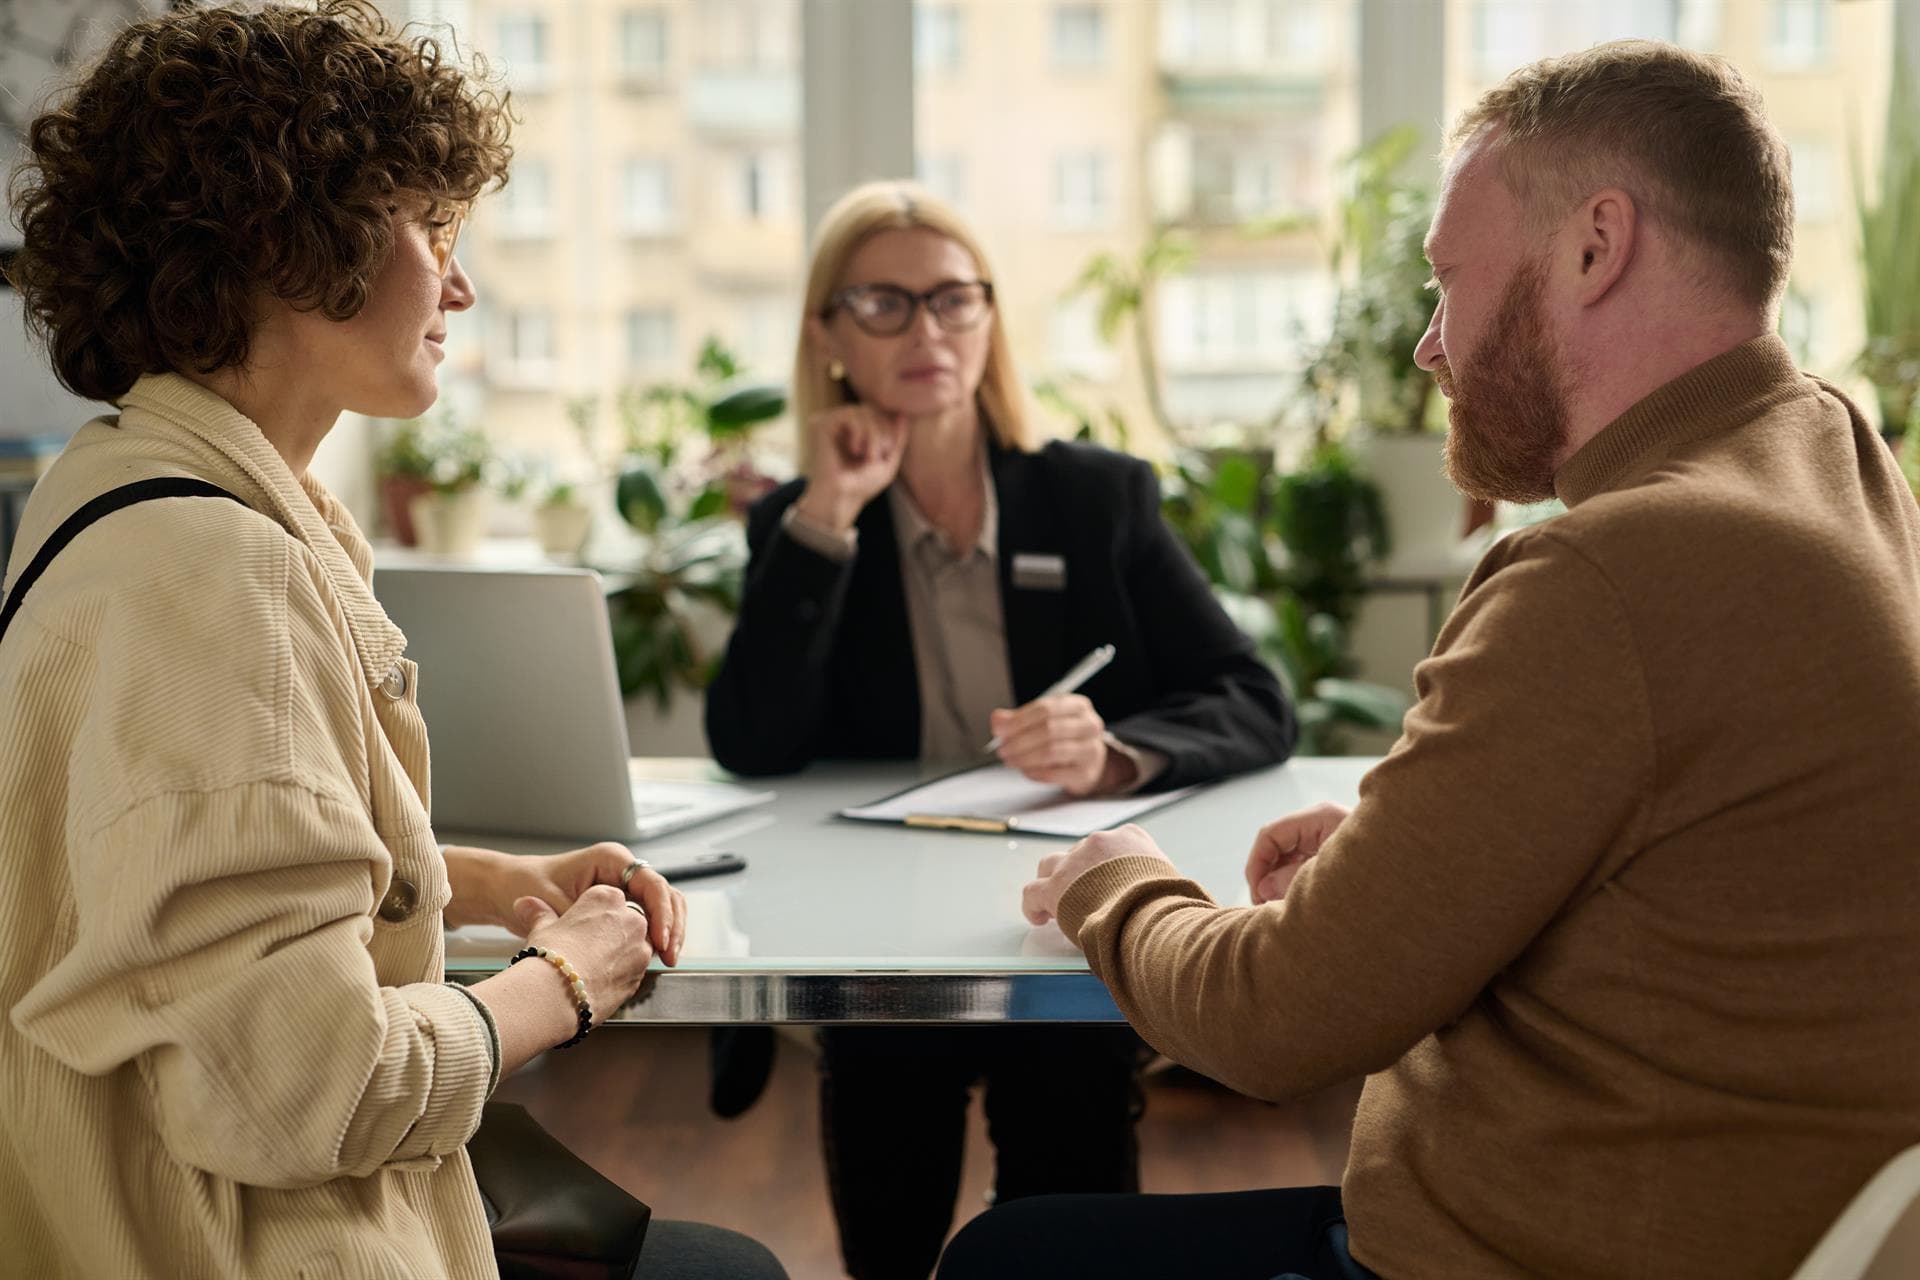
pixel 228 1048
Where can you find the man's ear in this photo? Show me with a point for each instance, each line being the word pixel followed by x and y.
pixel 1606 235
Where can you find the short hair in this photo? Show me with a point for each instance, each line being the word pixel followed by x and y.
pixel 1682 132
pixel 212 155
pixel 854 219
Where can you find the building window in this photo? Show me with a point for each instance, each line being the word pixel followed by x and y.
pixel 1079 36
pixel 1799 33
pixel 748 35
pixel 939 37
pixel 525 207
pixel 765 326
pixel 524 51
pixel 1218 320
pixel 762 190
pixel 529 344
pixel 1815 183
pixel 1081 198
pixel 650 344
pixel 1074 341
pixel 646 197
pixel 643 46
pixel 945 175
pixel 1508 34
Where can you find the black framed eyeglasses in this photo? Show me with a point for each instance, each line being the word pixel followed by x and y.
pixel 885 310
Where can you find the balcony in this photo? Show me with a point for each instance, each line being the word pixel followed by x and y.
pixel 744 102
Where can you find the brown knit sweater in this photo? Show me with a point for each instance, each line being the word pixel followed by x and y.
pixel 1627 925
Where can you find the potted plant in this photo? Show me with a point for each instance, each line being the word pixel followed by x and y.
pixel 1381 312
pixel 450 516
pixel 1890 272
pixel 402 466
pixel 687 481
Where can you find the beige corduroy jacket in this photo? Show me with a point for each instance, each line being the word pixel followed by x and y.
pixel 227 1050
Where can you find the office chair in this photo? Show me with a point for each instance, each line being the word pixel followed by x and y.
pixel 1877 1236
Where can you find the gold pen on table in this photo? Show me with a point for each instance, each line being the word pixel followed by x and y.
pixel 1082 671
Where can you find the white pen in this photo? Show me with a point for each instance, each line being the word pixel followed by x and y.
pixel 1083 671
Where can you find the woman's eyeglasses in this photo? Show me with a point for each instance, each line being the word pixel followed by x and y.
pixel 443 232
pixel 885 310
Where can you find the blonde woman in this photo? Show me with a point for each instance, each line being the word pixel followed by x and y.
pixel 910 597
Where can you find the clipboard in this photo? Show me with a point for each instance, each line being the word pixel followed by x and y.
pixel 998 800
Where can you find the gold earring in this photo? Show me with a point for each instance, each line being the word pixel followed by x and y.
pixel 836 371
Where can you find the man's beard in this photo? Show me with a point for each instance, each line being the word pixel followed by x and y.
pixel 1508 403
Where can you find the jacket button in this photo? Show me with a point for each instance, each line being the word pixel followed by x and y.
pixel 400 901
pixel 395 685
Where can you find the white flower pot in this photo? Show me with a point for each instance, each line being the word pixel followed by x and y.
pixel 450 524
pixel 562 528
pixel 1425 513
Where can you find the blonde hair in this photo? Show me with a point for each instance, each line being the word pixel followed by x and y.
pixel 854 219
pixel 1683 133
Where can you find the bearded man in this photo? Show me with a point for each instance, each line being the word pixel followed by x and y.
pixel 1624 928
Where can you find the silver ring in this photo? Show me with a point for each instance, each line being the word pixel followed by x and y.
pixel 636 908
pixel 638 864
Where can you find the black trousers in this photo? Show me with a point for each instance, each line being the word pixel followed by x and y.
pixel 1299 1233
pixel 1061 1103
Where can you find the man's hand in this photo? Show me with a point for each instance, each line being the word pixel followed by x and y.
pixel 1061 741
pixel 1040 900
pixel 1283 847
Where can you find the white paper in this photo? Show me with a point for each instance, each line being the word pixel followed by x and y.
pixel 997 793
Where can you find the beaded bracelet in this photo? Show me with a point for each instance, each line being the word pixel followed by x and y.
pixel 574 984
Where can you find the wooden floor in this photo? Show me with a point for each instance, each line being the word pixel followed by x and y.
pixel 632 1101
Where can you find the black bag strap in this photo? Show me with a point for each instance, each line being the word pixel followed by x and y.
pixel 104 505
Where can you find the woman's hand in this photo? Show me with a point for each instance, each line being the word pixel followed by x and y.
pixel 1283 847
pixel 487 884
pixel 853 452
pixel 600 935
pixel 1061 741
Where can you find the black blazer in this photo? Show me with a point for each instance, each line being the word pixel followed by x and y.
pixel 821 662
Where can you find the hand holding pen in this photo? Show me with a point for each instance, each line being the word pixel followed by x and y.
pixel 1058 738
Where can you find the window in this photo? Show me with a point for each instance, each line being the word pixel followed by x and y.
pixel 650 340
pixel 1799 320
pixel 747 35
pixel 944 174
pixel 523 51
pixel 762 186
pixel 1508 34
pixel 939 37
pixel 1245 176
pixel 1799 33
pixel 1222 320
pixel 767 326
pixel 1074 342
pixel 525 208
pixel 1201 33
pixel 529 345
pixel 1079 36
pixel 1081 199
pixel 1815 184
pixel 643 46
pixel 646 197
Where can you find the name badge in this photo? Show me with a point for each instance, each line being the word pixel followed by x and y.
pixel 1039 572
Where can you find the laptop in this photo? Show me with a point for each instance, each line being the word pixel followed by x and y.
pixel 525 724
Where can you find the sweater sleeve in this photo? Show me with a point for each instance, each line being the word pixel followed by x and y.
pixel 1528 754
pixel 1224 711
pixel 765 705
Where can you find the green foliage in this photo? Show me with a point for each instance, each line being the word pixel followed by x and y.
pixel 1286 555
pixel 1123 291
pixel 1890 263
pixel 1383 307
pixel 1090 426
pixel 449 457
pixel 685 480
